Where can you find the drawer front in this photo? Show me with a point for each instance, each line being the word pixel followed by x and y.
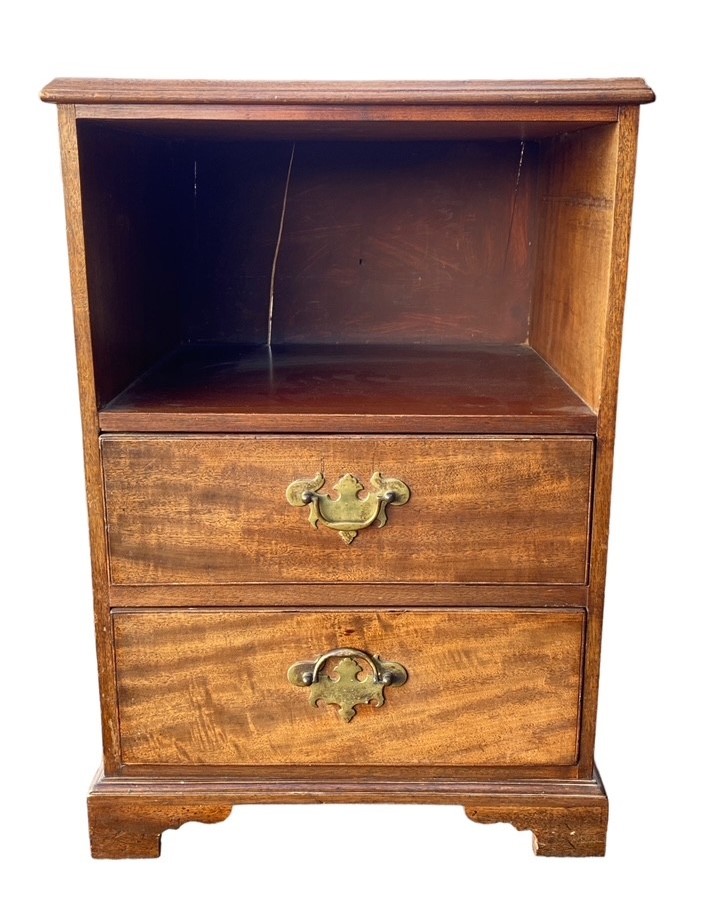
pixel 213 510
pixel 483 687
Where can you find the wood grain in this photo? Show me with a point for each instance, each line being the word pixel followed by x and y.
pixel 212 510
pixel 577 193
pixel 90 430
pixel 409 93
pixel 337 122
pixel 238 193
pixel 485 687
pixel 381 242
pixel 406 242
pixel 627 150
pixel 303 594
pixel 123 828
pixel 341 123
pixel 387 785
pixel 425 389
pixel 137 228
pixel 174 191
pixel 559 830
pixel 357 774
pixel 127 816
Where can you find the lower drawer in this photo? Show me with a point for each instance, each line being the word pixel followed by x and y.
pixel 483 687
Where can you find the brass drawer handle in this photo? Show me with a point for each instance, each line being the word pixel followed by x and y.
pixel 348 513
pixel 347 691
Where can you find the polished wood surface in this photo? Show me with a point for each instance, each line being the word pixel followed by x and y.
pixel 226 388
pixel 627 151
pixel 127 817
pixel 412 93
pixel 444 266
pixel 124 829
pixel 213 510
pixel 485 687
pixel 389 784
pixel 419 243
pixel 558 830
pixel 358 594
pixel 401 110
pixel 357 773
pixel 86 366
pixel 379 242
pixel 577 214
pixel 341 122
pixel 238 200
pixel 135 227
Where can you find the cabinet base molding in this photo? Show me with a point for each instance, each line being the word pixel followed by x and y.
pixel 571 827
pixel 127 817
pixel 130 826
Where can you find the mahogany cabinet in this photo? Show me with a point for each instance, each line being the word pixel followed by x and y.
pixel 348 359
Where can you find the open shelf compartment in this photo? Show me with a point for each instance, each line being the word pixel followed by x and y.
pixel 246 282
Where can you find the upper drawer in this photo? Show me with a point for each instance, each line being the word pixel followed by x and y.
pixel 210 510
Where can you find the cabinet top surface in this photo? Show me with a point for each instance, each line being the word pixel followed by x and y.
pixel 412 93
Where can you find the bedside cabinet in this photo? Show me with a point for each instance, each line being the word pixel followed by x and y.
pixel 348 360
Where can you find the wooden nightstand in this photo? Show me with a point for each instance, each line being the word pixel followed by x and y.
pixel 348 362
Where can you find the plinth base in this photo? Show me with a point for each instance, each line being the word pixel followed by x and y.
pixel 127 817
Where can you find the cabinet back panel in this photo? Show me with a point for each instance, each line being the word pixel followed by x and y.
pixel 424 242
pixel 381 242
pixel 238 200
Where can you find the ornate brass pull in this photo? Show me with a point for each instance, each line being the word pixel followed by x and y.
pixel 348 513
pixel 347 691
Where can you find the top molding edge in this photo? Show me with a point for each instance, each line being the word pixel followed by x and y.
pixel 69 90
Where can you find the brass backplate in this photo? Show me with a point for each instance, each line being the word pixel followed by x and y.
pixel 348 513
pixel 347 691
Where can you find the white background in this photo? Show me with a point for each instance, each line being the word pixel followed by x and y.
pixel 657 721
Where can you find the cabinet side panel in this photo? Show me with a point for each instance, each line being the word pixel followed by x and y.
pixel 627 150
pixel 577 215
pixel 137 211
pixel 90 427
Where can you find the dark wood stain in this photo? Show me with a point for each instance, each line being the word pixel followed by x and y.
pixel 221 387
pixel 136 214
pixel 238 201
pixel 406 93
pixel 358 594
pixel 418 243
pixel 449 258
pixel 128 816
